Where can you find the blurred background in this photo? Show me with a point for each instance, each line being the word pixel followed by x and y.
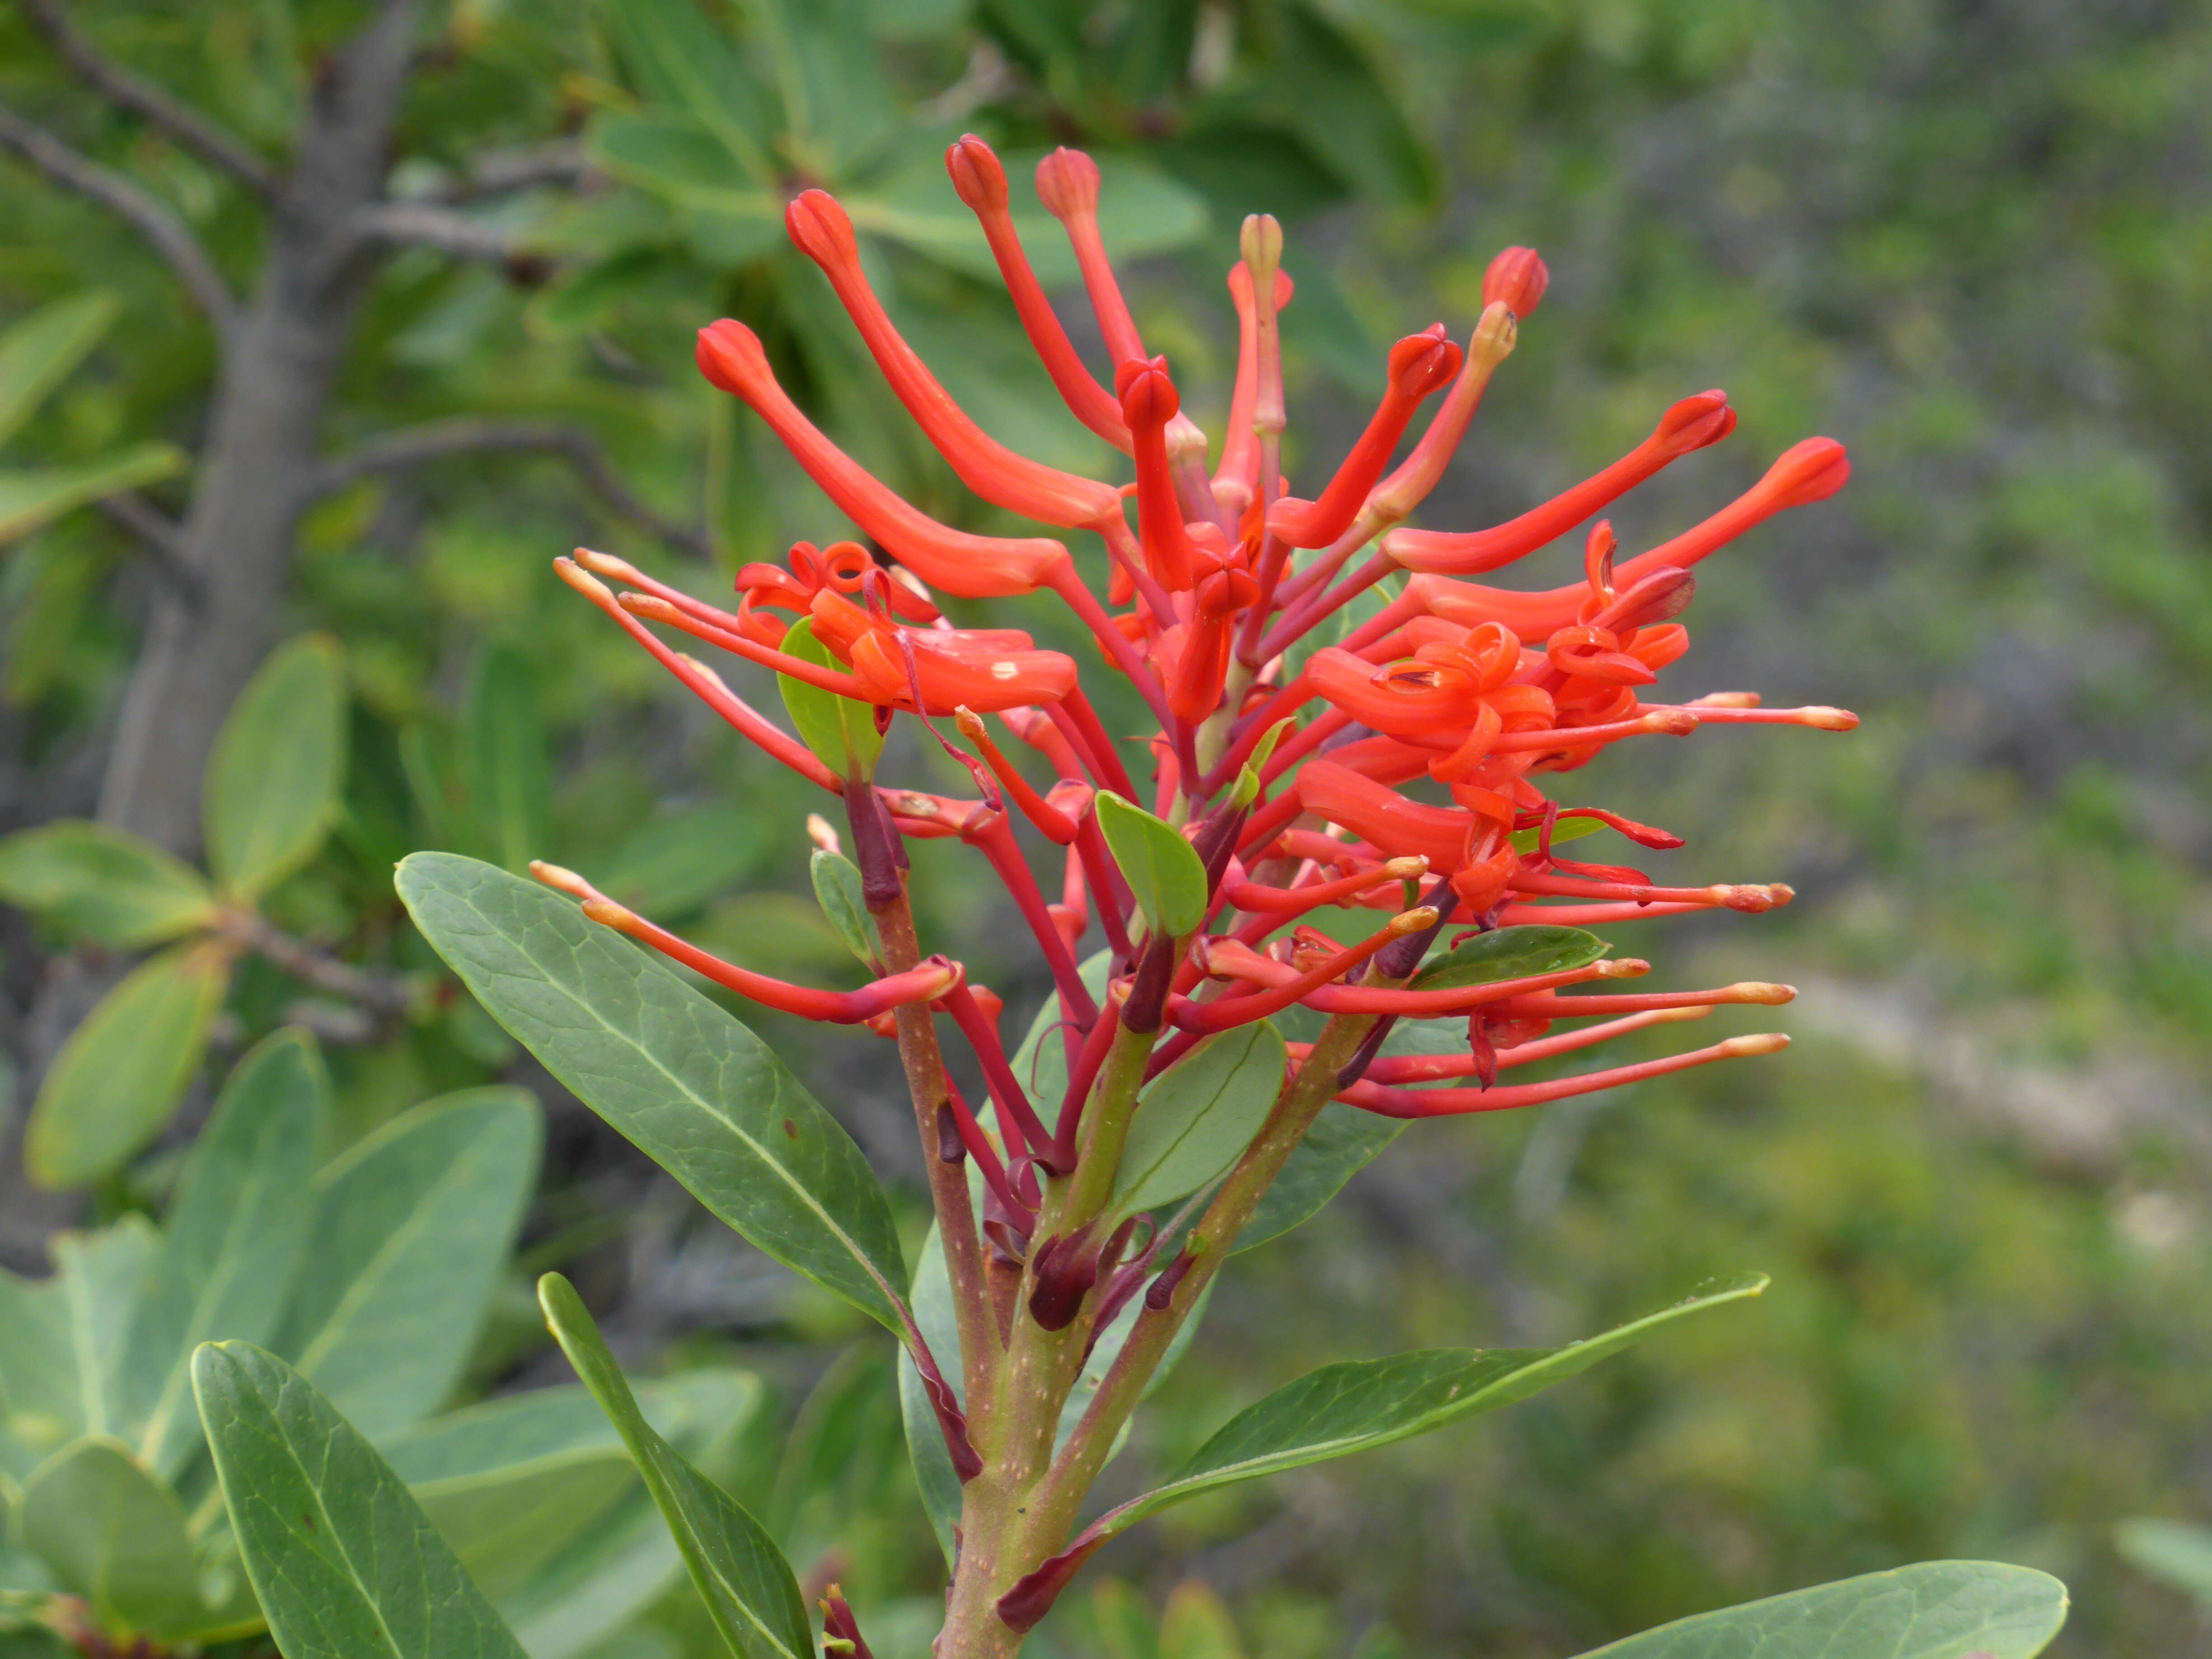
pixel 342 320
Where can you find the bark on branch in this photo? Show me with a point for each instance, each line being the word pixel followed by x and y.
pixel 112 190
pixel 469 435
pixel 135 93
pixel 522 167
pixel 425 224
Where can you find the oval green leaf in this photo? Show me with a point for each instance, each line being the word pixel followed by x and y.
pixel 695 1089
pixel 30 499
pixel 1936 1610
pixel 1162 868
pixel 232 1242
pixel 1511 953
pixel 273 781
pixel 344 1562
pixel 1196 1118
pixel 2176 1552
pixel 92 882
pixel 747 1583
pixel 411 1233
pixel 62 1337
pixel 114 1534
pixel 506 760
pixel 1362 1404
pixel 842 733
pixel 1343 1141
pixel 38 352
pixel 122 1071
pixel 837 888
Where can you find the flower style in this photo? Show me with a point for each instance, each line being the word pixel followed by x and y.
pixel 1405 768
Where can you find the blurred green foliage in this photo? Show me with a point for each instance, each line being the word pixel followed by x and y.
pixel 1969 240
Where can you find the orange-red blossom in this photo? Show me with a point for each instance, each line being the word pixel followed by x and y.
pixel 1404 766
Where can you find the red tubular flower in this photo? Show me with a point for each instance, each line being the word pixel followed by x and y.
pixel 1471 696
pixel 822 231
pixel 1420 364
pixel 973 567
pixel 1690 425
pixel 1067 184
pixel 980 182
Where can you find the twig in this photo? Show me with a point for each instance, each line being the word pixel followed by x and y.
pixel 424 224
pixel 387 994
pixel 112 190
pixel 133 92
pixel 523 166
pixel 164 538
pixel 466 435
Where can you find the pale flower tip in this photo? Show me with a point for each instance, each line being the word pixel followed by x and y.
pixel 1766 996
pixel 1726 700
pixel 606 564
pixel 820 831
pixel 1676 1016
pixel 584 582
pixel 1671 722
pixel 648 605
pixel 563 880
pixel 1822 718
pixel 607 913
pixel 1407 868
pixel 1626 968
pixel 1764 1042
pixel 704 670
pixel 969 722
pixel 1416 920
pixel 1261 242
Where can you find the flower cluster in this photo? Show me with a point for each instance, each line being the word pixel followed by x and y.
pixel 1288 769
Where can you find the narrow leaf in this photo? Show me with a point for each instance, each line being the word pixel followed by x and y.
pixel 1362 1404
pixel 114 1534
pixel 38 352
pixel 1195 1118
pixel 837 888
pixel 62 1337
pixel 1511 953
pixel 747 1583
pixel 842 733
pixel 1936 1610
pixel 694 1088
pixel 506 761
pixel 32 498
pixel 675 863
pixel 122 1071
pixel 411 1232
pixel 1343 1141
pixel 233 1241
pixel 279 763
pixel 92 882
pixel 1162 868
pixel 344 1562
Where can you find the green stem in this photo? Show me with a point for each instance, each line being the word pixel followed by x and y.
pixel 1052 1509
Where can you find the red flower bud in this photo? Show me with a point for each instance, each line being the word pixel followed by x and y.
pixel 1518 277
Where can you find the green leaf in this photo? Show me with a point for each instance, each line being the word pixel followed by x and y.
pixel 32 498
pixel 62 1338
pixel 1196 1118
pixel 675 863
pixel 838 113
pixel 1936 1610
pixel 1326 90
pixel 38 353
pixel 1162 868
pixel 511 1482
pixel 1362 1404
pixel 123 1069
pixel 694 1088
pixel 682 62
pixel 344 1562
pixel 505 759
pixel 273 781
pixel 411 1232
pixel 2174 1551
pixel 92 882
pixel 114 1534
pixel 1343 1141
pixel 1141 210
pixel 1041 1061
pixel 747 1583
pixel 1527 841
pixel 842 733
pixel 837 888
pixel 1511 953
pixel 234 1241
